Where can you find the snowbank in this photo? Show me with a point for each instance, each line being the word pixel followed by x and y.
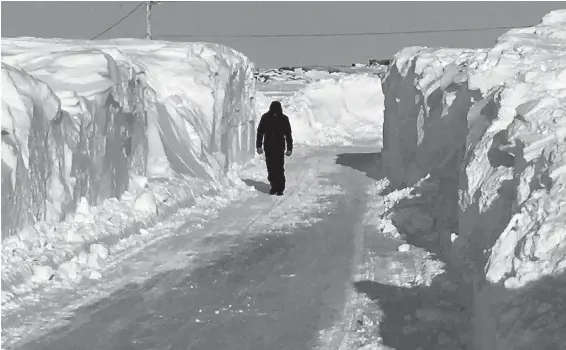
pixel 334 110
pixel 31 117
pixel 101 124
pixel 493 124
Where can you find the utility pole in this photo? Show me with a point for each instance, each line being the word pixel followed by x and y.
pixel 148 6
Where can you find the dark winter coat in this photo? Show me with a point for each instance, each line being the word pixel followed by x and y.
pixel 273 130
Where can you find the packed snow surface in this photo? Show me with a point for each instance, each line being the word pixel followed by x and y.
pixel 490 125
pixel 98 137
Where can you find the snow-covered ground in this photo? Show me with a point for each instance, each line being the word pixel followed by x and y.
pixel 489 127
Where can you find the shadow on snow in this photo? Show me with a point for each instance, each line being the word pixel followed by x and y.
pixel 258 185
pixel 440 316
pixel 368 163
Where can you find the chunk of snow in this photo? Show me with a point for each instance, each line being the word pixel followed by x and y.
pixel 83 212
pixel 404 247
pixel 69 270
pixel 99 250
pixel 29 235
pixel 71 235
pixel 82 258
pixel 137 183
pixel 41 273
pixel 146 203
pixel 387 227
pixel 95 275
pixel 95 261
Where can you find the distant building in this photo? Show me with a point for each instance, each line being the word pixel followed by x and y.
pixel 376 62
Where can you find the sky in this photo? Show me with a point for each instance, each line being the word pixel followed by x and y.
pixel 173 20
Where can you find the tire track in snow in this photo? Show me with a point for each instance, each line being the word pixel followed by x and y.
pixel 363 270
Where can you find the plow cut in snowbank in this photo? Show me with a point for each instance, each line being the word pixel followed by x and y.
pixel 490 127
pixel 85 124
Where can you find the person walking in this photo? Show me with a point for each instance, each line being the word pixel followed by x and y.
pixel 273 132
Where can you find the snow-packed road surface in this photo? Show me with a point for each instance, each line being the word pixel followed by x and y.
pixel 263 273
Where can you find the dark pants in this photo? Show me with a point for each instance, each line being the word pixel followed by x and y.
pixel 275 161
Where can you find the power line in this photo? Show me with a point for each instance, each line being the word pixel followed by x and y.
pixel 338 34
pixel 119 21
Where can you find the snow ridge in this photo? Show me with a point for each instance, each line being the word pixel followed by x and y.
pixel 489 125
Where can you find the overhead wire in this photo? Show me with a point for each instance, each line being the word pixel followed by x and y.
pixel 337 34
pixel 289 35
pixel 118 22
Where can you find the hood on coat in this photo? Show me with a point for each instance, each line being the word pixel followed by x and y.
pixel 276 108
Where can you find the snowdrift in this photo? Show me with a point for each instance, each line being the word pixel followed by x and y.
pixel 334 108
pixel 100 138
pixel 81 118
pixel 490 127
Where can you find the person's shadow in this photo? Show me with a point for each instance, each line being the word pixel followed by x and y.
pixel 258 185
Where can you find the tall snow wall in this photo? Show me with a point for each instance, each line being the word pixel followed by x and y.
pixel 338 111
pixel 490 127
pixel 81 118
